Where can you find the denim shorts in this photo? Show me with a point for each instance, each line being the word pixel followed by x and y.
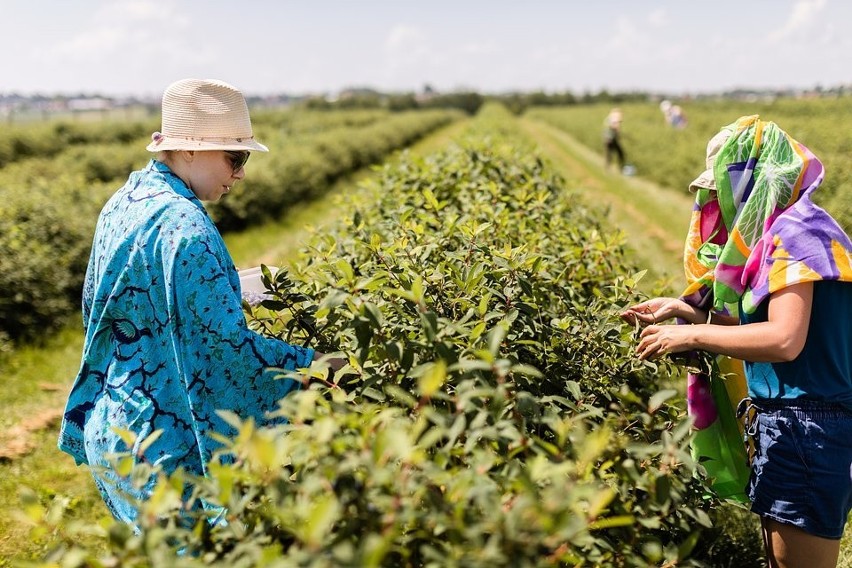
pixel 802 467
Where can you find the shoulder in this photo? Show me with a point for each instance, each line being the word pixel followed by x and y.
pixel 185 226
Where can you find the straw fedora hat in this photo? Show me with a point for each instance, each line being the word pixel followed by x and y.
pixel 204 114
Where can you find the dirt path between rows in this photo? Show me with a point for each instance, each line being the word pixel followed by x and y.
pixel 654 219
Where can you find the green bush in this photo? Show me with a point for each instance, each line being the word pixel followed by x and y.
pixel 304 167
pixel 50 194
pixel 43 254
pixel 49 139
pixel 498 415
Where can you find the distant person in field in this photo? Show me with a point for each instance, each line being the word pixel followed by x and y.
pixel 677 119
pixel 612 139
pixel 166 340
pixel 673 114
pixel 758 246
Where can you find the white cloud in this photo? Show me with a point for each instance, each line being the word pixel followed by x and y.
pixel 482 48
pixel 802 21
pixel 131 12
pixel 404 38
pixel 409 56
pixel 659 18
pixel 625 37
pixel 89 44
pixel 133 29
pixel 133 46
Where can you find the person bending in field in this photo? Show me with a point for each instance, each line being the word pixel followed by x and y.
pixel 760 246
pixel 612 139
pixel 166 341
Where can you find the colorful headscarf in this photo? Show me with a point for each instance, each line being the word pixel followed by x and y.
pixel 759 232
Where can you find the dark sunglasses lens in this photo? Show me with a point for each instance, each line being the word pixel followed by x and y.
pixel 238 159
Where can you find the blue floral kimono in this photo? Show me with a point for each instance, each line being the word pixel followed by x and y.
pixel 167 343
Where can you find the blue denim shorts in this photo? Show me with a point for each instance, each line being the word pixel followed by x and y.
pixel 802 467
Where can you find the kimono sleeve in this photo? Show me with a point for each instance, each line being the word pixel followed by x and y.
pixel 223 364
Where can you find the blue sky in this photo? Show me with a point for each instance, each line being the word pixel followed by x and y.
pixel 137 47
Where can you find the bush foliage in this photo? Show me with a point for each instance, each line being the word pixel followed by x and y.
pixel 673 158
pixel 497 416
pixel 50 198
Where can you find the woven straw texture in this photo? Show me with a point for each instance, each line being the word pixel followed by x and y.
pixel 204 114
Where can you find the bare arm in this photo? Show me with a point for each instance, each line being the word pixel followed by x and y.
pixel 658 310
pixel 781 338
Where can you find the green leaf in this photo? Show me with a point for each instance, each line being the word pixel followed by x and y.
pixel 574 390
pixel 527 370
pixel 611 522
pixel 433 378
pixel 125 465
pixel 128 437
pixel 657 400
pixel 149 439
pixel 686 548
pixel 496 337
pixel 230 418
pixel 466 365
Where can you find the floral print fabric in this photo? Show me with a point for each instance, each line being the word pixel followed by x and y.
pixel 759 231
pixel 166 344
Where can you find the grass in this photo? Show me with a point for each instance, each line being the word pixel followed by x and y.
pixel 654 219
pixel 35 385
pixel 41 375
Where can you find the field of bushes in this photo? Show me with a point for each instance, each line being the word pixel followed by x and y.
pixel 498 416
pixel 674 157
pixel 55 178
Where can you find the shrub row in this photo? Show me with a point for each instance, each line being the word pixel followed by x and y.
pixel 48 139
pixel 49 205
pixel 301 121
pixel 18 142
pixel 673 158
pixel 498 419
pixel 303 168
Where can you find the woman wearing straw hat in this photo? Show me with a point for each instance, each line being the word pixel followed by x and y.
pixel 758 246
pixel 167 345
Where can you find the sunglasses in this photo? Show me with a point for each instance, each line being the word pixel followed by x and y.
pixel 238 159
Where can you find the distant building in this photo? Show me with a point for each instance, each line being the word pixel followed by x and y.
pixel 88 104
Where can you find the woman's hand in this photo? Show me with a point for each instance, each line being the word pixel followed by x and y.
pixel 658 340
pixel 654 311
pixel 779 339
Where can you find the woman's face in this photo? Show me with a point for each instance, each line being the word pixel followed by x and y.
pixel 211 174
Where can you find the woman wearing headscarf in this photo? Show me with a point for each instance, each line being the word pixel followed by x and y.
pixel 167 346
pixel 759 247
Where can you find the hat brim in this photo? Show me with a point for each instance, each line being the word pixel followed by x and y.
pixel 170 143
pixel 703 181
